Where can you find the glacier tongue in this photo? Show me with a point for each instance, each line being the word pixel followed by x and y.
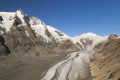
pixel 76 65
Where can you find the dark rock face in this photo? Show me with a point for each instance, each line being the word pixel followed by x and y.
pixel 20 36
pixel 4 50
pixel 112 36
pixel 2 41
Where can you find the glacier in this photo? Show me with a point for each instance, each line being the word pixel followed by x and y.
pixel 75 65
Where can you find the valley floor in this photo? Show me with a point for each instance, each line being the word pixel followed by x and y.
pixel 15 68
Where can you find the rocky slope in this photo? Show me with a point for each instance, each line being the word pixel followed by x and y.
pixel 98 61
pixel 30 26
pixel 105 64
pixel 33 43
pixel 24 33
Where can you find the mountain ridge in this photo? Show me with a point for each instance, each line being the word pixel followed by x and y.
pixel 31 41
pixel 25 29
pixel 40 28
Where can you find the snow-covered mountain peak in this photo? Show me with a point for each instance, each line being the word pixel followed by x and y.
pixel 6 20
pixel 58 35
pixel 48 32
pixel 88 34
pixel 88 39
pixel 36 21
pixel 17 19
pixel 33 25
pixel 20 14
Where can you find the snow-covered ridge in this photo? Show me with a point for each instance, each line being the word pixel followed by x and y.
pixel 90 35
pixel 92 39
pixel 75 65
pixel 43 30
pixel 58 35
pixel 7 20
pixel 46 32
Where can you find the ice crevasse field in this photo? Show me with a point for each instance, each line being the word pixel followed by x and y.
pixel 74 66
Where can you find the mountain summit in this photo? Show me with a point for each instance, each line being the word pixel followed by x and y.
pixel 22 32
pixel 42 52
pixel 20 29
pixel 34 26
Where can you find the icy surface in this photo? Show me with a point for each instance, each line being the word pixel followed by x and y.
pixel 92 36
pixel 76 65
pixel 8 20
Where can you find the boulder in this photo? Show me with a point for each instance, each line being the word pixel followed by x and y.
pixel 112 36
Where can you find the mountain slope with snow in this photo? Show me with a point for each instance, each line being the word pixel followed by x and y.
pixel 40 29
pixel 19 19
pixel 29 37
pixel 87 39
pixel 33 27
pixel 6 20
pixel 22 27
pixel 75 66
pixel 47 32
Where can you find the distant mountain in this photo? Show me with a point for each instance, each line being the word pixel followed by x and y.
pixel 86 39
pixel 22 30
pixel 29 40
pixel 13 20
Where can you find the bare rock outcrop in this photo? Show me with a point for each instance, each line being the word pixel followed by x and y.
pixel 4 50
pixel 105 64
pixel 112 36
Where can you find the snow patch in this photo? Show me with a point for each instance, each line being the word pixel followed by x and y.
pixel 21 16
pixel 8 20
pixel 56 34
pixel 92 36
pixel 40 28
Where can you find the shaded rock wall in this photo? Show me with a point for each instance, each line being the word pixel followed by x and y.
pixel 4 50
